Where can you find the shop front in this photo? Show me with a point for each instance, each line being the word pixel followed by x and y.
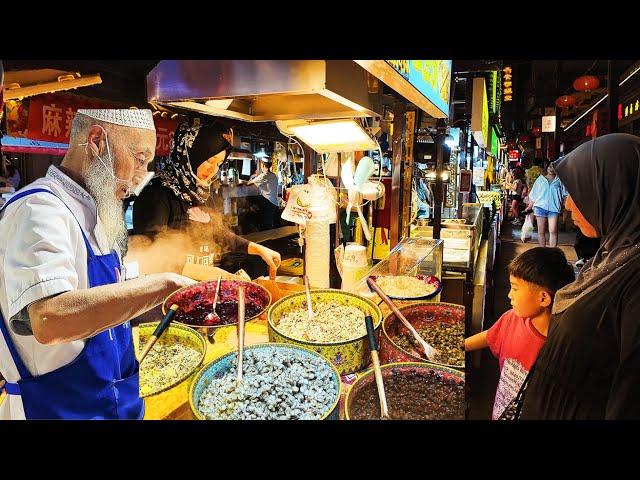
pixel 340 216
pixel 353 237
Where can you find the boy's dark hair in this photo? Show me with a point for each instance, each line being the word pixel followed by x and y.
pixel 543 266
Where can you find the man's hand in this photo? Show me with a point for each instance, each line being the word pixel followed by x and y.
pixel 270 257
pixel 196 214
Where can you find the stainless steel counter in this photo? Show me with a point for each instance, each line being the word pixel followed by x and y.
pixel 240 191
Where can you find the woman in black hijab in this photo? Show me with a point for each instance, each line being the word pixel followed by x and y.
pixel 174 197
pixel 589 367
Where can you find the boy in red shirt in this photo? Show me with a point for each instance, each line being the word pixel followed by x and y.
pixel 518 335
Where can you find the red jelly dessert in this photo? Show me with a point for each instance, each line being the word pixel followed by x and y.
pixel 196 303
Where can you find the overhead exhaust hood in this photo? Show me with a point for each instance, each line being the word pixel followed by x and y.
pixel 263 90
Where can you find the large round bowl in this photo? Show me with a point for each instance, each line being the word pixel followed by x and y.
pixel 428 279
pixel 196 301
pixel 173 333
pixel 219 367
pixel 393 370
pixel 418 314
pixel 349 355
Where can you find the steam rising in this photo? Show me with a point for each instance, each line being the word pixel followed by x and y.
pixel 167 250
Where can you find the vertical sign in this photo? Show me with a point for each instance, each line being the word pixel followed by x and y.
pixel 549 124
pixel 410 121
pixel 507 84
pixel 480 113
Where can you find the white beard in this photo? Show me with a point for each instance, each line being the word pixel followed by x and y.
pixel 102 187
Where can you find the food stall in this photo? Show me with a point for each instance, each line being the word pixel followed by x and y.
pixel 321 341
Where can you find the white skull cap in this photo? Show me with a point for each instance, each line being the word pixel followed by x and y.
pixel 126 117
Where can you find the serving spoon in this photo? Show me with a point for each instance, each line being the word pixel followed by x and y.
pixel 430 352
pixel 213 317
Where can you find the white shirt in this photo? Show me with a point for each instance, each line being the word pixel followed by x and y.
pixel 268 185
pixel 42 253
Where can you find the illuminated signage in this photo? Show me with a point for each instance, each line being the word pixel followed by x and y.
pixel 493 83
pixel 514 155
pixel 630 109
pixel 549 124
pixel 480 113
pixel 507 84
pixel 432 78
pixel 495 143
pixel 400 66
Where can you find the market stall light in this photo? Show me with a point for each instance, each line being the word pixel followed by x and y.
pixel 629 76
pixel 450 142
pixel 586 112
pixel 431 175
pixel 221 104
pixel 334 136
pixel 239 154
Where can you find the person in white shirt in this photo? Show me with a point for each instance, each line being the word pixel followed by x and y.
pixel 66 348
pixel 267 182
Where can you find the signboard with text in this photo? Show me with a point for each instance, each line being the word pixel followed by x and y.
pixel 480 113
pixel 549 124
pixel 432 78
pixel 507 84
pixel 465 181
pixel 50 118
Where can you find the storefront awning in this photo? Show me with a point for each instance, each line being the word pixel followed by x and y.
pixel 25 145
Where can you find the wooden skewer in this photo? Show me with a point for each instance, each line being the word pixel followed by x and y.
pixel 373 345
pixel 241 315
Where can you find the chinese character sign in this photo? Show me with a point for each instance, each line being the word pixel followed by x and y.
pixel 507 84
pixel 165 129
pixel 50 118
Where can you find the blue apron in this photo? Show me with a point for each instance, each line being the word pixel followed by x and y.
pixel 102 381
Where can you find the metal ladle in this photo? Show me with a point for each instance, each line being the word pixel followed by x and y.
pixel 213 316
pixel 430 352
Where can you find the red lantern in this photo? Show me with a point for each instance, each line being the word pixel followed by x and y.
pixel 586 83
pixel 536 131
pixel 566 101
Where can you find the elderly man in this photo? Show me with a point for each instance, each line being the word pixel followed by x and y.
pixel 66 349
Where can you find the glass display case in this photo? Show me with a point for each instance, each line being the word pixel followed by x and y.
pixel 410 257
pixel 461 237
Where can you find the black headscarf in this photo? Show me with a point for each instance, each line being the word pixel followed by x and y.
pixel 192 146
pixel 603 178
